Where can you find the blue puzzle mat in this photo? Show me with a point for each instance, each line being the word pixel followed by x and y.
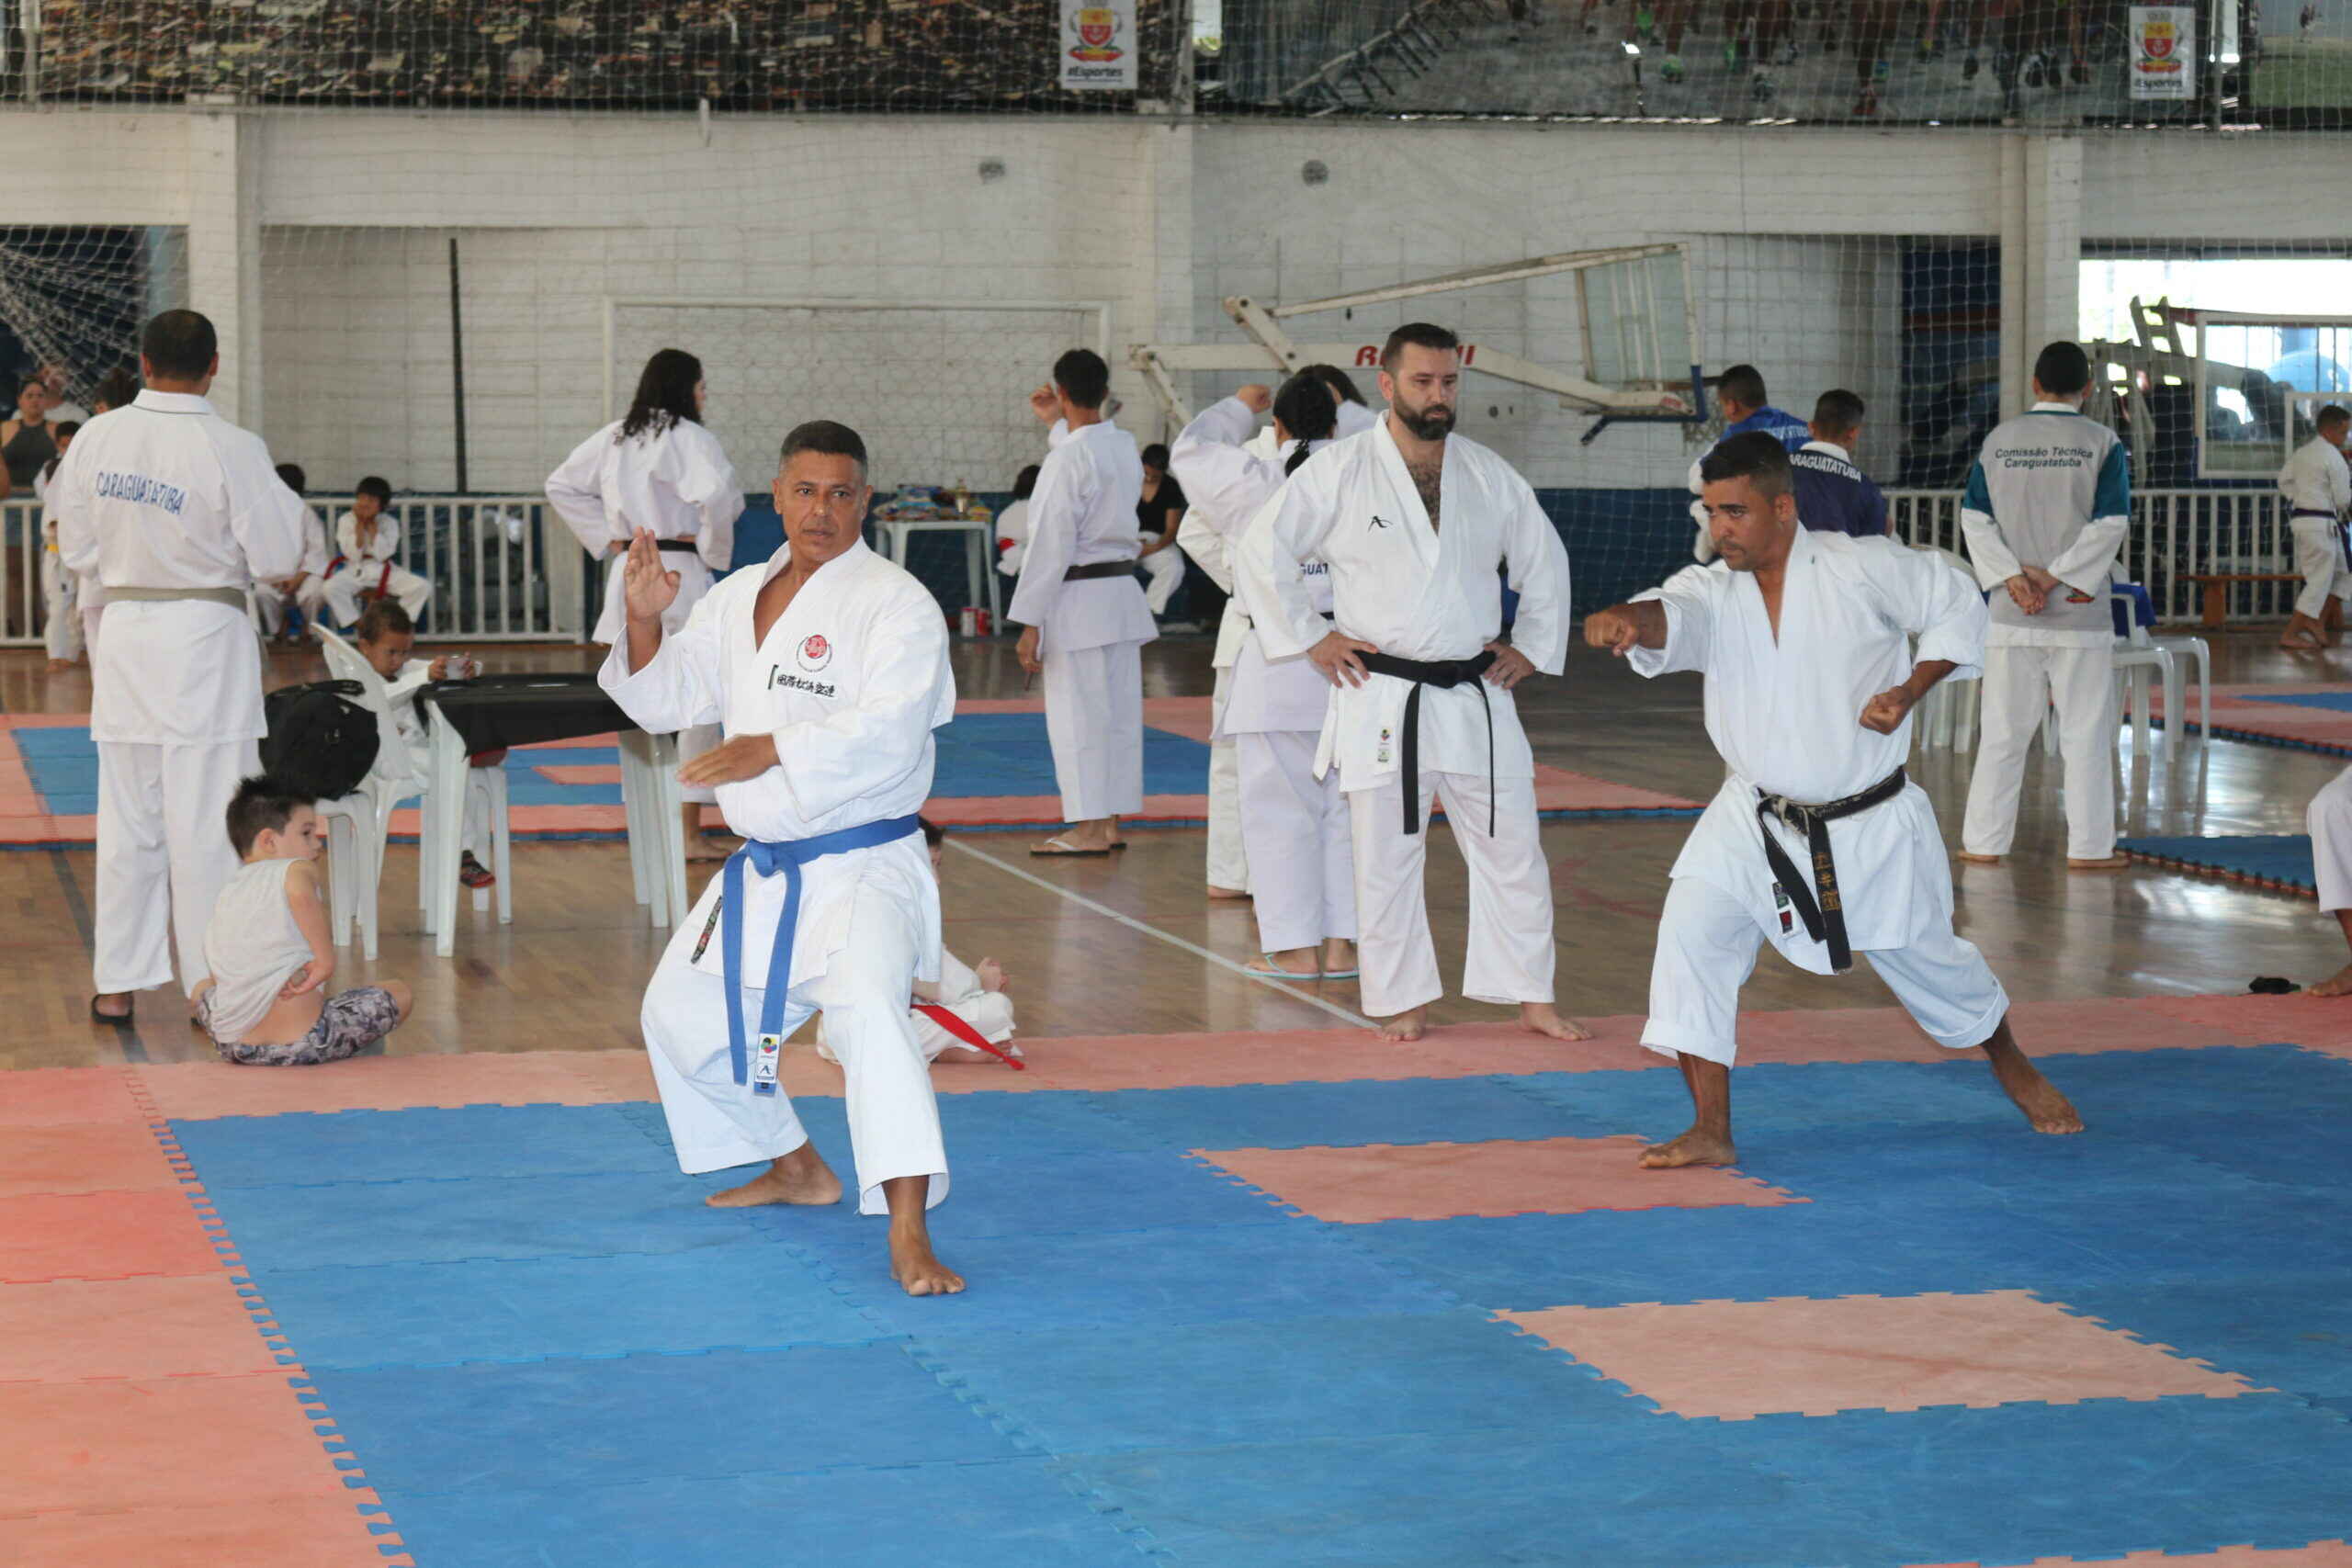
pixel 2272 859
pixel 2333 702
pixel 542 1348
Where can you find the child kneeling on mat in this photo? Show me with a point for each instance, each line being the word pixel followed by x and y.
pixel 965 1016
pixel 269 949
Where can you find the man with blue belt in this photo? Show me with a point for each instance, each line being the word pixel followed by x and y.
pixel 828 670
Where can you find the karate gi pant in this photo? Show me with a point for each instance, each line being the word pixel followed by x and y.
pixel 1296 830
pixel 2330 821
pixel 990 1014
pixel 62 630
pixel 1094 721
pixel 1510 956
pixel 344 589
pixel 1166 570
pixel 163 856
pixel 2020 684
pixel 715 1123
pixel 1707 941
pixel 1228 864
pixel 271 600
pixel 2319 556
pixel 90 616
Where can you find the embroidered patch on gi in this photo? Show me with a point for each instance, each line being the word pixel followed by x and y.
pixel 770 1051
pixel 1378 520
pixel 1788 915
pixel 708 926
pixel 815 653
pixel 1382 756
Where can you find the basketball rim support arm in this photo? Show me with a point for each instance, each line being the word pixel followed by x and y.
pixel 1270 347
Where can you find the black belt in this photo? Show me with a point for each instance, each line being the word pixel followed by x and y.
pixel 1825 920
pixel 675 547
pixel 1444 675
pixel 1100 568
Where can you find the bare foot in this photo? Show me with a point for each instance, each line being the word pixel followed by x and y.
pixel 1216 892
pixel 1338 958
pixel 1979 860
pixel 1698 1146
pixel 55 665
pixel 2111 863
pixel 799 1178
pixel 918 1272
pixel 2336 985
pixel 2044 1107
pixel 1543 1018
pixel 1406 1026
pixel 702 846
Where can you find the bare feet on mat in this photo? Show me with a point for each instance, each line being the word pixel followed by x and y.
pixel 1979 860
pixel 1543 1018
pixel 2336 985
pixel 2109 863
pixel 1216 892
pixel 911 1264
pixel 1406 1026
pixel 800 1178
pixel 1697 1146
pixel 2046 1110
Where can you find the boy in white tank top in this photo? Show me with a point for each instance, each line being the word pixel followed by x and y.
pixel 270 952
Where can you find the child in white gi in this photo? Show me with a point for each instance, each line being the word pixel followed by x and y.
pixel 975 997
pixel 384 638
pixel 271 956
pixel 368 547
pixel 63 630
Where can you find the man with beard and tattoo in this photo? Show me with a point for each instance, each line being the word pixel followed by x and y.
pixel 1412 522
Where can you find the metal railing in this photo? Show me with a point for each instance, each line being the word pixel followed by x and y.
pixel 2175 534
pixel 503 569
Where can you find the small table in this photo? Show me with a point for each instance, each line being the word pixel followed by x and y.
pixel 979 556
pixel 492 711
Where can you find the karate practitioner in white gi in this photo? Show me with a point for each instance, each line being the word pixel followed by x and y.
pixel 1082 611
pixel 2329 821
pixel 2317 485
pixel 828 669
pixel 174 512
pixel 62 623
pixel 2046 510
pixel 1806 641
pixel 306 590
pixel 659 468
pixel 1295 824
pixel 1413 522
pixel 367 538
pixel 1212 550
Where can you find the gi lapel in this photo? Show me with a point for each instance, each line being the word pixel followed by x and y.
pixel 1402 508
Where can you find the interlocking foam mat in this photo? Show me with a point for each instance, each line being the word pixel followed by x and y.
pixel 1237 1312
pixel 2304 715
pixel 2279 862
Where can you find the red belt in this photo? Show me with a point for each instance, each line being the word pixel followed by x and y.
pixel 948 1019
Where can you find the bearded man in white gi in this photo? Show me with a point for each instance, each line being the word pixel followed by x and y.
pixel 2047 507
pixel 1082 614
pixel 1413 522
pixel 827 669
pixel 1816 842
pixel 175 512
pixel 2316 484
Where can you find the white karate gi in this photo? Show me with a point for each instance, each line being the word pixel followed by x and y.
pixel 362 569
pixel 675 482
pixel 62 625
pixel 1423 593
pixel 1011 538
pixel 166 494
pixel 311 593
pixel 2329 821
pixel 988 1013
pixel 1229 863
pixel 1165 570
pixel 2052 490
pixel 1091 633
pixel 1784 713
pixel 2316 479
pixel 1294 819
pixel 400 692
pixel 851 681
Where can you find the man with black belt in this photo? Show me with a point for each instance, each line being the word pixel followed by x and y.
pixel 176 512
pixel 1082 611
pixel 1817 841
pixel 2318 488
pixel 1413 523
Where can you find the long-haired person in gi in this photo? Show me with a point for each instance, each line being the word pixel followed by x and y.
pixel 1082 614
pixel 1816 843
pixel 657 469
pixel 827 669
pixel 173 513
pixel 1412 522
pixel 1294 822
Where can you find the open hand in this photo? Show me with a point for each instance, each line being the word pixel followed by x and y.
pixel 648 588
pixel 1886 711
pixel 1509 668
pixel 745 757
pixel 1336 656
pixel 1612 630
pixel 1046 403
pixel 1256 397
pixel 991 975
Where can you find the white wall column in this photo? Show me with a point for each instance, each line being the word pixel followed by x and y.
pixel 224 254
pixel 2041 246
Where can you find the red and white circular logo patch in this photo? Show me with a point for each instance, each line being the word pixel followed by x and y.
pixel 815 654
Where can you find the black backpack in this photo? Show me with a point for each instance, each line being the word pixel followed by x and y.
pixel 322 741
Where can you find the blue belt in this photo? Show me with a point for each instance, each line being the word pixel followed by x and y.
pixel 767 859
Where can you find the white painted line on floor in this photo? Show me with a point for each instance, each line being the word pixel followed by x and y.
pixel 1334 1008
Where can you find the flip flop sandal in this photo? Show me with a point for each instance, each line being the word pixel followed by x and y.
pixel 1059 849
pixel 1266 969
pixel 1342 974
pixel 115 1021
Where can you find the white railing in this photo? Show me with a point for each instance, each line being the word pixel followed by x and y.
pixel 503 568
pixel 2174 534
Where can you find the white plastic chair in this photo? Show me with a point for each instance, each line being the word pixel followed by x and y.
pixel 1945 719
pixel 2180 646
pixel 359 823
